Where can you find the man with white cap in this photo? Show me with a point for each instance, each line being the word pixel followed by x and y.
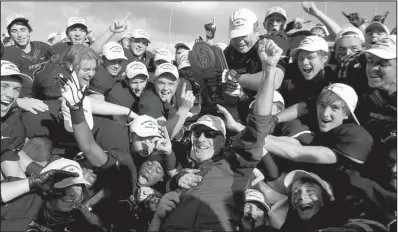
pixel 53 38
pixel 374 32
pixel 320 30
pixel 181 48
pixel 125 40
pixel 275 19
pixel 139 42
pixel 255 212
pixel 164 103
pixel 13 132
pixel 162 55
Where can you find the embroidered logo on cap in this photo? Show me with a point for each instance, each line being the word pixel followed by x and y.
pixel 116 49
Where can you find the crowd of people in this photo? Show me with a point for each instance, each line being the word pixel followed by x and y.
pixel 101 135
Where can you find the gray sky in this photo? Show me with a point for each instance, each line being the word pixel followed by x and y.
pixel 188 18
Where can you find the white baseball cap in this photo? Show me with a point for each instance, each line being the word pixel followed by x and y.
pixel 242 23
pixel 323 27
pixel 311 43
pixel 140 34
pixel 167 68
pixel 351 32
pixel 213 122
pixel 347 94
pixel 52 35
pixel 126 35
pixel 291 177
pixel 385 48
pixel 136 68
pixel 182 44
pixel 11 19
pixel 113 51
pixel 277 98
pixel 163 54
pixel 9 69
pixel 70 166
pixel 275 10
pixel 253 195
pixel 145 126
pixel 183 61
pixel 376 24
pixel 76 20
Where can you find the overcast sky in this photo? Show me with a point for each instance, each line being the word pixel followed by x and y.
pixel 188 18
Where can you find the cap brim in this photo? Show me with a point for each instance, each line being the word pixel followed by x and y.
pixel 181 45
pixel 116 57
pixel 382 53
pixel 159 74
pixel 267 207
pixel 284 16
pixel 183 65
pixel 377 25
pixel 301 31
pixel 141 73
pixel 203 123
pixel 71 181
pixel 18 19
pixel 26 80
pixel 294 52
pixel 241 32
pixel 141 37
pixel 146 133
pixel 77 24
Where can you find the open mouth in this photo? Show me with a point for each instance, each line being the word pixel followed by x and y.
pixel 325 121
pixel 143 179
pixel 5 104
pixel 306 207
pixel 307 70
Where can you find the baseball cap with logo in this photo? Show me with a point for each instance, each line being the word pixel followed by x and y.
pixel 76 20
pixel 276 10
pixel 10 69
pixel 136 68
pixel 166 68
pixel 126 35
pixel 312 44
pixel 213 122
pixel 113 51
pixel 351 32
pixel 242 23
pixel 140 34
pixel 70 166
pixel 18 17
pixel 376 24
pixel 253 195
pixel 291 177
pixel 321 26
pixel 163 54
pixel 145 126
pixel 183 60
pixel 347 94
pixel 385 48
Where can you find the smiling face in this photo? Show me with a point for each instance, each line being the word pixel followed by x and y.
pixel 346 46
pixel 274 22
pixel 150 173
pixel 253 216
pixel 77 34
pixel 244 43
pixel 10 90
pixel 112 66
pixel 125 42
pixel 206 143
pixel 331 111
pixel 86 71
pixel 20 34
pixel 138 46
pixel 306 198
pixel 311 63
pixel 71 196
pixel 166 86
pixel 138 84
pixel 381 73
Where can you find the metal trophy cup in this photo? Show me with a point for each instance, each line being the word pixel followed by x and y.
pixel 205 60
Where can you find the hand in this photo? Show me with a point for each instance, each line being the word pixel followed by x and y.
pixel 310 8
pixel 144 193
pixel 211 29
pixel 187 98
pixel 70 90
pixel 90 35
pixel 167 203
pixel 380 18
pixel 298 23
pixel 354 19
pixel 46 181
pixel 190 179
pixel 269 52
pixel 119 26
pixel 164 144
pixel 229 120
pixel 32 105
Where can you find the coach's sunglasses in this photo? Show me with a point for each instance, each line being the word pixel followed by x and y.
pixel 210 134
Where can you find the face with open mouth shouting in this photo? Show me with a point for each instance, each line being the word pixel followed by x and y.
pixel 77 34
pixel 274 22
pixel 330 114
pixel 310 63
pixel 150 173
pixel 253 216
pixel 86 71
pixel 10 90
pixel 374 34
pixel 166 86
pixel 71 196
pixel 306 199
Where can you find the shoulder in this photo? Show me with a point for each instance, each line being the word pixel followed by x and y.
pixel 149 97
pixel 11 53
pixel 149 54
pixel 59 48
pixel 40 45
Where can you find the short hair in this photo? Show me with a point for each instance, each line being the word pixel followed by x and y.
pixel 19 22
pixel 312 181
pixel 328 97
pixel 76 54
pixel 39 149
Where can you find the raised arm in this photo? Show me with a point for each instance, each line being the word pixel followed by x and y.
pixel 116 27
pixel 100 107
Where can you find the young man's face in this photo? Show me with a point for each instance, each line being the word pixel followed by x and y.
pixel 274 22
pixel 253 217
pixel 306 199
pixel 206 142
pixel 373 35
pixel 71 196
pixel 244 43
pixel 310 63
pixel 381 73
pixel 180 51
pixel 20 34
pixel 138 84
pixel 125 42
pixel 113 66
pixel 138 46
pixel 330 115
pixel 150 173
pixel 144 146
pixel 77 34
pixel 346 46
pixel 318 32
pixel 10 90
pixel 166 86
pixel 86 71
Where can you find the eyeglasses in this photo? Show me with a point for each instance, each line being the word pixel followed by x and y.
pixel 210 134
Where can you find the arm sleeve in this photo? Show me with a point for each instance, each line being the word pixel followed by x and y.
pixel 148 107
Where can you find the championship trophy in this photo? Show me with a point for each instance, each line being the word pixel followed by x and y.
pixel 208 63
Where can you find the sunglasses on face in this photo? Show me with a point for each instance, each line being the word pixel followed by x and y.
pixel 210 134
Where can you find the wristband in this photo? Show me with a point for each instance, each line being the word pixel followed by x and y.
pixel 77 116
